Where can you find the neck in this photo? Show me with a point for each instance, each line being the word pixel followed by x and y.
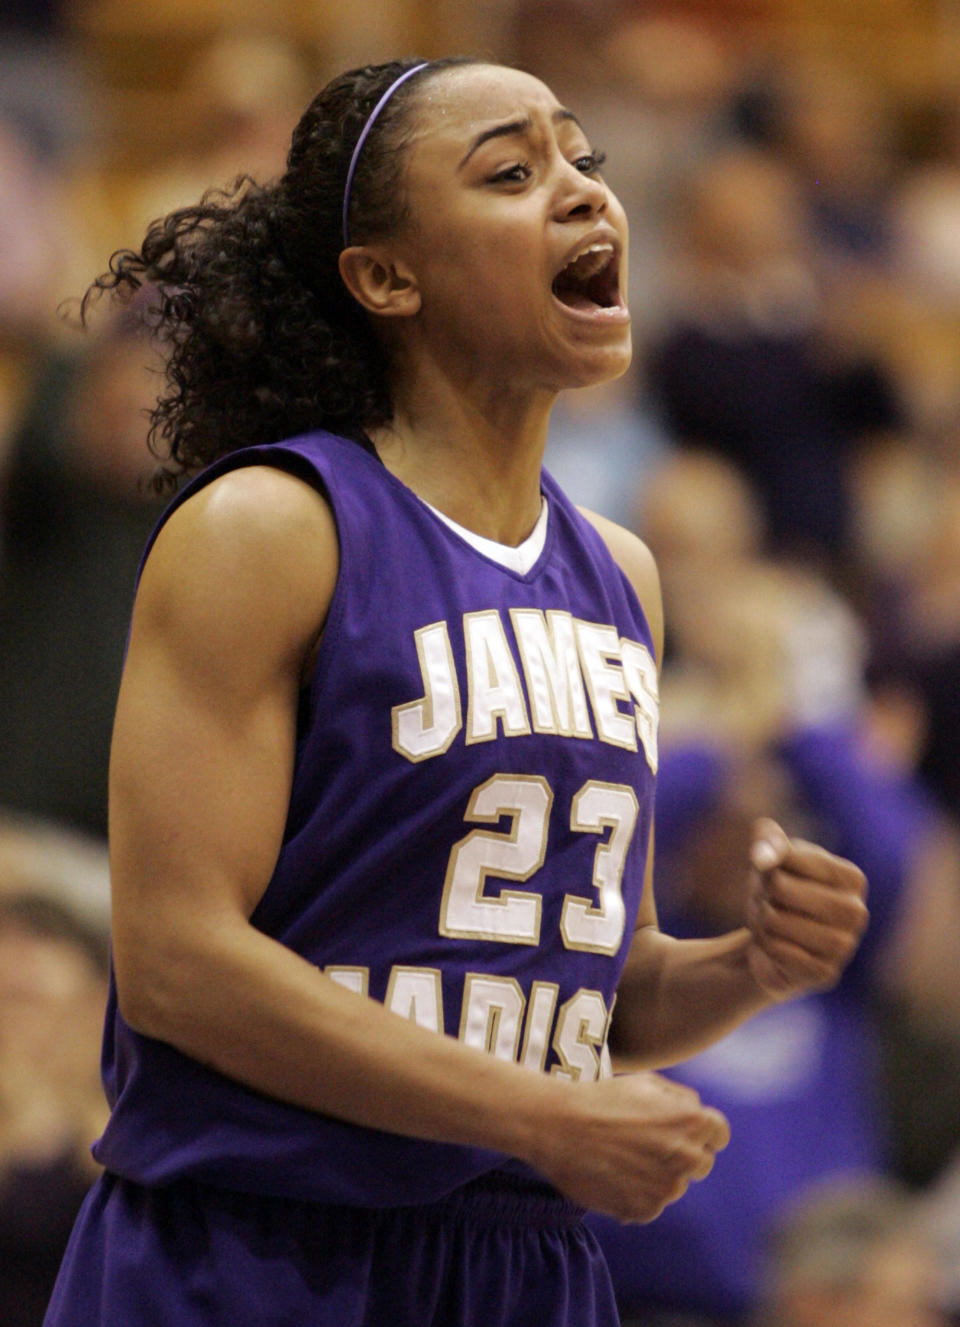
pixel 472 451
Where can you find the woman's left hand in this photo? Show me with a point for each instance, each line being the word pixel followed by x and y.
pixel 806 913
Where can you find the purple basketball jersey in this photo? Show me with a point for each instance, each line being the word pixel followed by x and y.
pixel 466 837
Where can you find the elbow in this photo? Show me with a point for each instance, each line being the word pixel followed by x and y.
pixel 154 985
pixel 141 1000
pixel 628 1051
pixel 136 1008
pixel 628 1038
pixel 174 978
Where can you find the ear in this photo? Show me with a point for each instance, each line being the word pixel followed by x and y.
pixel 378 282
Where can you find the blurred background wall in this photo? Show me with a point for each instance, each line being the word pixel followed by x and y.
pixel 788 441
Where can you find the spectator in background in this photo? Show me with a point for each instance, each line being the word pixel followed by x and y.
pixel 242 97
pixel 852 1255
pixel 53 984
pixel 41 85
pixel 906 490
pixel 923 210
pixel 742 367
pixel 74 520
pixel 33 237
pixel 921 649
pixel 830 122
pixel 908 512
pixel 602 447
pixel 924 221
pixel 939 1220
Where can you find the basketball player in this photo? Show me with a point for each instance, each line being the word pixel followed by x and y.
pixel 383 766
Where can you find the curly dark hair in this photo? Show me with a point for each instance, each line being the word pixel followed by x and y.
pixel 261 338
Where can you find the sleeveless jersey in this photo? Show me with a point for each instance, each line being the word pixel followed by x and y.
pixel 466 836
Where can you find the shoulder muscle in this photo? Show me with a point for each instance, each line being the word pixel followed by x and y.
pixel 245 569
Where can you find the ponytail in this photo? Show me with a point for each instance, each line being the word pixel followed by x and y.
pixel 262 341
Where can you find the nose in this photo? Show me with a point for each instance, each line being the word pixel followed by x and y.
pixel 579 194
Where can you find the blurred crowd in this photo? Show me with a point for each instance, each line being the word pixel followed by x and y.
pixel 788 443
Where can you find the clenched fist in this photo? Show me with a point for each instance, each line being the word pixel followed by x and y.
pixel 806 913
pixel 629 1146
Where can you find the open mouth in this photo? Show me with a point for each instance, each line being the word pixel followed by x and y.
pixel 591 281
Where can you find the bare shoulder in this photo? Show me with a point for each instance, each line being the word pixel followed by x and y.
pixel 251 560
pixel 637 563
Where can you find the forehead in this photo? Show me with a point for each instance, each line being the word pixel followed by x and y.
pixel 459 103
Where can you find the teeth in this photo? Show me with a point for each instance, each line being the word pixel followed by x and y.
pixel 590 261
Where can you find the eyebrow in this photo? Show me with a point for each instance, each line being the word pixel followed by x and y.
pixel 513 128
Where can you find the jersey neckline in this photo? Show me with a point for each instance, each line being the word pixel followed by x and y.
pixel 460 533
pixel 520 558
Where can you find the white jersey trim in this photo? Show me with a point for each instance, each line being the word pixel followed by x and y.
pixel 520 559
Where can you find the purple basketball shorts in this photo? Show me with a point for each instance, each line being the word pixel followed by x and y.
pixel 499 1252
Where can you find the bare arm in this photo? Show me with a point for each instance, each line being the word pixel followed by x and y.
pixel 228 612
pixel 676 997
pixel 804 919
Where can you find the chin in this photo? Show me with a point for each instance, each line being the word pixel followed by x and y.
pixel 596 365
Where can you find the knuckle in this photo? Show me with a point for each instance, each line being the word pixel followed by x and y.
pixel 850 877
pixel 841 947
pixel 849 948
pixel 639 1205
pixel 679 1187
pixel 645 1214
pixel 825 974
pixel 684 1092
pixel 685 1163
pixel 720 1129
pixel 845 943
pixel 704 1165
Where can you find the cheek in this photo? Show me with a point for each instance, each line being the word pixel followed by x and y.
pixel 475 294
pixel 491 259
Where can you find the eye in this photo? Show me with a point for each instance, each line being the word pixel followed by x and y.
pixel 590 162
pixel 512 174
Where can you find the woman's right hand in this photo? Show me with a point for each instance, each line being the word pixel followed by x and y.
pixel 631 1145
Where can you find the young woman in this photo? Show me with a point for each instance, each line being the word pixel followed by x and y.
pixel 384 758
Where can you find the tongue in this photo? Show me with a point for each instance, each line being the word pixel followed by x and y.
pixel 575 298
pixel 572 293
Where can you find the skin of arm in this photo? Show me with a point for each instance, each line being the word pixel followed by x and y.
pixel 227 618
pixel 805 915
